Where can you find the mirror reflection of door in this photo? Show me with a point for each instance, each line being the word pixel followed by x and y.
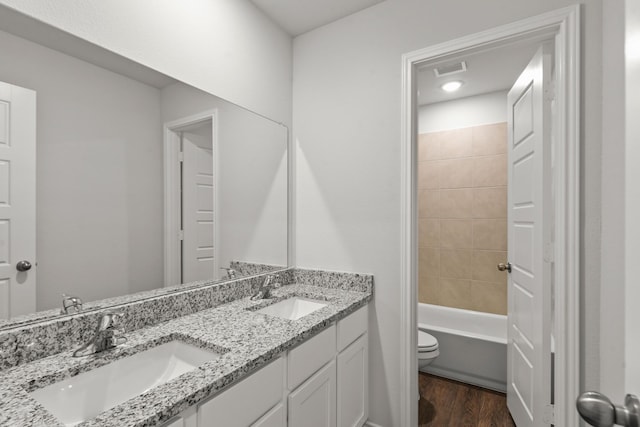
pixel 17 200
pixel 198 262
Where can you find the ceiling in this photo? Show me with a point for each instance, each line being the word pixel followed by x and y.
pixel 487 71
pixel 299 16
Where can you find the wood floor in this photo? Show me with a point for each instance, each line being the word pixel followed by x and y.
pixel 447 403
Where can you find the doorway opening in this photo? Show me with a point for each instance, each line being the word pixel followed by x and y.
pixel 468 216
pixel 191 238
pixel 516 183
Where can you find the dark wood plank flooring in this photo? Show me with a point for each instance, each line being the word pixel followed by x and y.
pixel 448 403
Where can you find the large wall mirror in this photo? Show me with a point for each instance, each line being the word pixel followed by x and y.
pixel 142 182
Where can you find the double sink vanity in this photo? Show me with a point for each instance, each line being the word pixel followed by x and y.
pixel 298 358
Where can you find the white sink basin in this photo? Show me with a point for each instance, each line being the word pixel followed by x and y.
pixel 84 396
pixel 292 308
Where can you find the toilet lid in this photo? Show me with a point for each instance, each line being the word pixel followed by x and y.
pixel 426 341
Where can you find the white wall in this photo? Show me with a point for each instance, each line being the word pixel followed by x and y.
pixel 99 175
pixel 466 112
pixel 252 172
pixel 347 91
pixel 226 47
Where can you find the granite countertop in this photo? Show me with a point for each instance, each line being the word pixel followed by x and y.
pixel 246 339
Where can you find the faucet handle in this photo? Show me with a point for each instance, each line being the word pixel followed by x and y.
pixel 70 304
pixel 110 321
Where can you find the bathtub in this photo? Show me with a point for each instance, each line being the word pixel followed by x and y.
pixel 473 345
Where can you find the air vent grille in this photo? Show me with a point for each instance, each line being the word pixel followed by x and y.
pixel 449 69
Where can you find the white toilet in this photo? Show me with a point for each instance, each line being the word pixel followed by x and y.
pixel 427 349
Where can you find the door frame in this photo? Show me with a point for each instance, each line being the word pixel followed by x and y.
pixel 562 26
pixel 173 199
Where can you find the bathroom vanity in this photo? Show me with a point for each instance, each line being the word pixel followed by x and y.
pixel 297 359
pixel 323 381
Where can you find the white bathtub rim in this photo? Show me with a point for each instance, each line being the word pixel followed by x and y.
pixel 467 378
pixel 426 328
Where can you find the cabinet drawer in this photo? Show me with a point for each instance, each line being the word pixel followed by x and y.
pixel 242 404
pixel 351 327
pixel 310 356
pixel 277 417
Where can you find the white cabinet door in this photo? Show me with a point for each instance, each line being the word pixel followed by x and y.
pixel 313 404
pixel 277 417
pixel 17 200
pixel 353 384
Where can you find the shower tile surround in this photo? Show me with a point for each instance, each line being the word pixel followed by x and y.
pixel 462 217
pixel 214 317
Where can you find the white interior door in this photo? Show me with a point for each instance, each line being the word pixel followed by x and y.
pixel 197 205
pixel 17 200
pixel 529 285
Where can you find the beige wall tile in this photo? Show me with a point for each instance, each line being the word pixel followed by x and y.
pixel 488 297
pixel 490 234
pixel 428 203
pixel 429 174
pixel 455 293
pixel 429 146
pixel 484 266
pixel 456 143
pixel 428 289
pixel 489 139
pixel 456 173
pixel 428 232
pixel 490 202
pixel 455 263
pixel 490 171
pixel 456 204
pixel 428 262
pixel 456 233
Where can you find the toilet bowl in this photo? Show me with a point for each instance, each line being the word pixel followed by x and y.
pixel 427 349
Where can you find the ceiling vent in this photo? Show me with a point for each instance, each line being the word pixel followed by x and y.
pixel 449 69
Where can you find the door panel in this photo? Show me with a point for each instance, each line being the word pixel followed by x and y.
pixel 197 208
pixel 17 199
pixel 529 329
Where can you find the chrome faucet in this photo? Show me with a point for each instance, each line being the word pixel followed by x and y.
pixel 106 336
pixel 231 273
pixel 268 285
pixel 70 304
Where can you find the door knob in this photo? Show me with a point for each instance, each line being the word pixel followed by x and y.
pixel 597 410
pixel 23 266
pixel 504 267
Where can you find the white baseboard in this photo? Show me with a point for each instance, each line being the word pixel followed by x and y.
pixel 370 424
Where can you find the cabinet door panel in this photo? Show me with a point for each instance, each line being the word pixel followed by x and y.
pixel 313 404
pixel 353 384
pixel 277 417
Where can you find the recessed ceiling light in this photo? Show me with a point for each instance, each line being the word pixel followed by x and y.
pixel 451 86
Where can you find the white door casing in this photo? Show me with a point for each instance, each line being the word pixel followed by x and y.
pixel 197 208
pixel 173 200
pixel 529 284
pixel 17 199
pixel 632 199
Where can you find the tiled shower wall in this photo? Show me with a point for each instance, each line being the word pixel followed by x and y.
pixel 462 210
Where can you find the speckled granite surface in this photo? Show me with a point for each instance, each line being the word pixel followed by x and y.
pixel 244 270
pixel 248 339
pixel 30 342
pixel 250 268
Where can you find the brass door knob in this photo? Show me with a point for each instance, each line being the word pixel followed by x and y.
pixel 504 267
